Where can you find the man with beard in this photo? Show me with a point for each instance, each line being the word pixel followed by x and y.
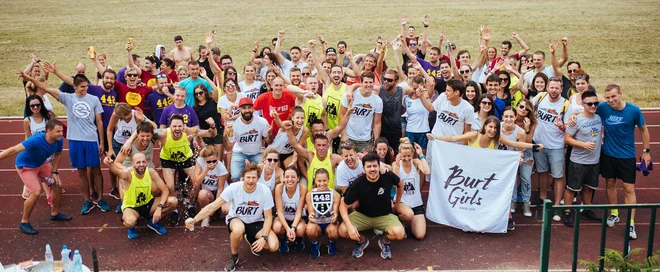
pixel 248 136
pixel 176 154
pixel 320 158
pixel 367 114
pixel 310 101
pixel 392 97
pixel 140 184
pixel 181 54
pixel 350 167
pixel 295 76
pixel 161 97
pixel 372 191
pixel 296 58
pixel 282 100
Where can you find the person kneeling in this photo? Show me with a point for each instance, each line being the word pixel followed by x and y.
pixel 290 204
pixel 322 205
pixel 140 183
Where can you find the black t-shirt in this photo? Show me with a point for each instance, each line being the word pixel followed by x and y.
pixel 391 109
pixel 404 66
pixel 207 66
pixel 375 197
pixel 568 89
pixel 208 110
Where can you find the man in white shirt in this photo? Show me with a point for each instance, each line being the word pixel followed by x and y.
pixel 248 136
pixel 350 167
pixel 367 115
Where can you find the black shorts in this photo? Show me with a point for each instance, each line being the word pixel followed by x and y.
pixel 419 210
pixel 177 165
pixel 615 168
pixel 218 139
pixel 144 210
pixel 582 175
pixel 284 157
pixel 251 229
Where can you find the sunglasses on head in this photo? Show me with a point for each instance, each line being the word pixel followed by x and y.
pixel 590 104
pixel 131 75
pixel 199 93
pixel 486 103
pixel 388 79
pixel 346 144
pixel 463 72
pixel 34 106
pixel 272 160
pixel 581 77
pixel 161 76
pixel 211 161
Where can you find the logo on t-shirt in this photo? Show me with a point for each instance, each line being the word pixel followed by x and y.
pixel 247 208
pixel 289 208
pixel 363 110
pixel 547 115
pixel 381 191
pixel 614 120
pixel 331 107
pixel 133 98
pixel 249 137
pixel 322 202
pixel 82 110
pixel 408 187
pixel 447 117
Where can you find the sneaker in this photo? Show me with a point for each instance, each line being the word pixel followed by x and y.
pixel 562 201
pixel 27 228
pixel 102 205
pixel 557 216
pixel 527 211
pixel 132 233
pixel 332 248
pixel 513 206
pixel 115 193
pixel 568 219
pixel 612 219
pixel 385 251
pixel 230 266
pixel 94 195
pixel 537 202
pixel 284 245
pixel 191 212
pixel 118 209
pixel 87 207
pixel 60 217
pixel 378 232
pixel 589 214
pixel 174 218
pixel 315 252
pixel 206 222
pixel 511 225
pixel 300 244
pixel 359 249
pixel 157 227
pixel 633 234
pixel 250 246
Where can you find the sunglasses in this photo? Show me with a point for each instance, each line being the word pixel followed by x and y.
pixel 161 76
pixel 590 104
pixel 412 44
pixel 522 107
pixel 504 79
pixel 212 161
pixel 199 93
pixel 388 79
pixel 35 106
pixel 230 85
pixel 231 73
pixel 463 72
pixel 272 160
pixel 131 75
pixel 305 74
pixel 570 71
pixel 486 103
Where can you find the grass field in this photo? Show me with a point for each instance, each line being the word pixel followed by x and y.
pixel 616 41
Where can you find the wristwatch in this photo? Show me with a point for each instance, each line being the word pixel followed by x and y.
pixel 160 205
pixel 646 150
pixel 265 238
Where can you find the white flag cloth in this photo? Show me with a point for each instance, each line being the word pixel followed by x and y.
pixel 471 187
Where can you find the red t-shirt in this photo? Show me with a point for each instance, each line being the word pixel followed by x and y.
pixel 283 106
pixel 145 76
pixel 134 97
pixel 492 64
pixel 173 77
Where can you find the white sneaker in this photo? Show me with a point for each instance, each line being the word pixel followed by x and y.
pixel 206 222
pixel 513 206
pixel 557 216
pixel 612 219
pixel 562 201
pixel 527 211
pixel 633 234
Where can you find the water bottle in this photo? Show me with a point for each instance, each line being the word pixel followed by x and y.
pixel 77 262
pixel 49 254
pixel 66 257
pixel 49 181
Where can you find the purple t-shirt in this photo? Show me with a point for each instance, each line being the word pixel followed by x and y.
pixel 108 102
pixel 158 102
pixel 189 115
pixel 120 75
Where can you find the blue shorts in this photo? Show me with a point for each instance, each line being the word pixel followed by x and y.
pixel 419 138
pixel 551 160
pixel 84 154
pixel 323 227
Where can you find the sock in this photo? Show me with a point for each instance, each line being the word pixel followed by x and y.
pixel 615 212
pixel 632 222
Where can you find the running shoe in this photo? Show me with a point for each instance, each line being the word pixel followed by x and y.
pixel 88 206
pixel 300 244
pixel 612 219
pixel 513 206
pixel 359 249
pixel 568 219
pixel 27 228
pixel 633 234
pixel 385 251
pixel 115 193
pixel 230 266
pixel 511 224
pixel 132 233
pixel 284 245
pixel 157 227
pixel 332 248
pixel 103 205
pixel 557 216
pixel 589 214
pixel 316 250
pixel 527 210
pixel 118 209
pixel 60 217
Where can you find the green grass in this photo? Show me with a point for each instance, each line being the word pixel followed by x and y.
pixel 616 41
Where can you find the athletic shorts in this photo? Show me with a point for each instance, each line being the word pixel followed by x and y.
pixel 84 154
pixel 32 177
pixel 116 146
pixel 218 139
pixel 419 210
pixel 384 223
pixel 360 146
pixel 177 165
pixel 419 138
pixel 251 229
pixel 283 157
pixel 144 210
pixel 582 174
pixel 550 160
pixel 623 169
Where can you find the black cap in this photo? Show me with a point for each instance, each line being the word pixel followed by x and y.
pixel 330 49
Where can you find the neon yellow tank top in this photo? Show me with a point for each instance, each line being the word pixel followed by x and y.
pixel 333 103
pixel 176 150
pixel 476 142
pixel 313 109
pixel 310 145
pixel 139 192
pixel 317 164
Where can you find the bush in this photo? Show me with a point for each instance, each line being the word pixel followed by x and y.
pixel 615 261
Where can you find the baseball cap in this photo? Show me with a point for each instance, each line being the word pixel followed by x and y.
pixel 178 38
pixel 330 49
pixel 245 101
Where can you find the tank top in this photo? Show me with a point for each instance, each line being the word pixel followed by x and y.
pixel 139 192
pixel 476 142
pixel 37 127
pixel 281 142
pixel 333 103
pixel 125 130
pixel 310 145
pixel 176 150
pixel 318 164
pixel 412 195
pixel 313 108
pixel 148 152
pixel 290 205
pixel 512 137
pixel 271 181
pixel 210 181
pixel 322 202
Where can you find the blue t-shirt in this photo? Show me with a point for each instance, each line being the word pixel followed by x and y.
pixel 499 107
pixel 190 85
pixel 37 150
pixel 620 129
pixel 64 87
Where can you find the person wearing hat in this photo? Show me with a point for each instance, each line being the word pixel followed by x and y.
pixel 248 136
pixel 181 54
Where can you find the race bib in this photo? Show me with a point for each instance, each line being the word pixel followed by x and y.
pixel 322 202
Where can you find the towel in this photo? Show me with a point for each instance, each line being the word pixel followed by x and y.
pixel 646 169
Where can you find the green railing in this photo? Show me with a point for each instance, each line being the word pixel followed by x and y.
pixel 548 210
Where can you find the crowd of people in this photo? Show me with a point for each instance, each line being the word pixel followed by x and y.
pixel 305 143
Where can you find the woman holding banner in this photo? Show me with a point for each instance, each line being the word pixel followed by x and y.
pixel 408 168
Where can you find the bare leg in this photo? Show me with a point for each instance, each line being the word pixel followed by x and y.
pixel 98 181
pixel 28 205
pixel 84 183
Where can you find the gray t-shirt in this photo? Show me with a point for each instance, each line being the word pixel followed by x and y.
pixel 391 118
pixel 586 130
pixel 81 114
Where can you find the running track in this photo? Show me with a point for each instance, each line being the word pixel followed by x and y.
pixel 207 249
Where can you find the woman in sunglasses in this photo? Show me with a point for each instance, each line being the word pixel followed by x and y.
pixel 35 122
pixel 205 107
pixel 483 110
pixel 271 173
pixel 211 175
pixel 229 111
pixel 525 119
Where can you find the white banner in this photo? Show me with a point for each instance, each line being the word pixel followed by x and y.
pixel 471 187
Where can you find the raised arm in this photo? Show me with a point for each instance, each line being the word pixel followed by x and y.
pixel 425 36
pixel 302 152
pixel 324 47
pixel 117 169
pixel 278 47
pixel 522 43
pixel 131 63
pixel 214 89
pixel 345 114
pixel 396 46
pixel 41 85
pixel 319 69
pixel 254 58
pixel 481 59
pixel 355 69
pixel 405 49
pixel 52 68
pixel 564 57
pixel 381 57
pixel 553 59
pixel 404 21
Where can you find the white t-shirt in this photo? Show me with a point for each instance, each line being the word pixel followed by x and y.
pixel 344 175
pixel 359 125
pixel 418 115
pixel 248 138
pixel 281 142
pixel 547 133
pixel 451 120
pixel 476 123
pixel 548 71
pixel 225 104
pixel 248 207
pixel 211 179
pixel 251 91
pixel 47 104
pixel 573 106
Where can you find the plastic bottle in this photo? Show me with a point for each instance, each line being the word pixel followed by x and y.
pixel 49 254
pixel 77 262
pixel 66 257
